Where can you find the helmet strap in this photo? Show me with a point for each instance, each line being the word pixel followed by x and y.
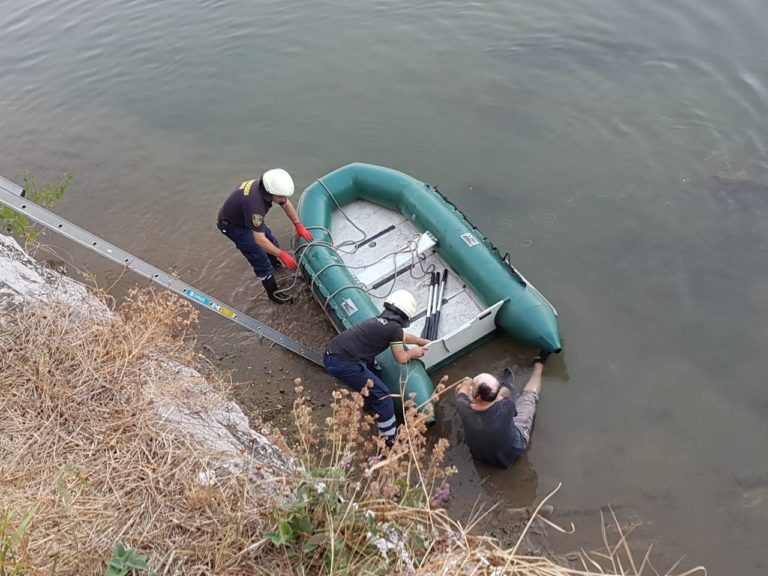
pixel 392 312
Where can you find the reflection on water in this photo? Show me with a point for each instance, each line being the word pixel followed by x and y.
pixel 617 150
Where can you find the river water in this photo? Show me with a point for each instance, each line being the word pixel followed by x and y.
pixel 616 149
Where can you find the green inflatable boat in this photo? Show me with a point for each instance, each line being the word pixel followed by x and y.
pixel 377 230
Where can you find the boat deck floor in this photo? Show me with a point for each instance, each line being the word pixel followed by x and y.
pixel 380 248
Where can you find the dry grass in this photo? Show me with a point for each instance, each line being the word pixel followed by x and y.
pixel 80 442
pixel 81 445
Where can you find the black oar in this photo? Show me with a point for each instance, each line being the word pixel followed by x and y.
pixel 432 296
pixel 427 321
pixel 435 295
pixel 436 316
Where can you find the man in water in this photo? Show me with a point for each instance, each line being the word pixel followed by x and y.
pixel 497 428
pixel 241 219
pixel 350 355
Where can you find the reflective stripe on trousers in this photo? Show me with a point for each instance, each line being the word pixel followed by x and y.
pixel 356 375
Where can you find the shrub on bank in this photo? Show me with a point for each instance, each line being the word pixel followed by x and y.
pixel 361 507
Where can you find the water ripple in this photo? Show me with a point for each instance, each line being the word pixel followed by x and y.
pixel 592 130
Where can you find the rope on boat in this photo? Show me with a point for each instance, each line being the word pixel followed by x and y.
pixel 411 247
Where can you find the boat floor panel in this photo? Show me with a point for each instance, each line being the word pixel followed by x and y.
pixel 387 230
pixel 393 232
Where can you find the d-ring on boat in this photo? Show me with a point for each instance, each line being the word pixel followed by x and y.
pixel 377 230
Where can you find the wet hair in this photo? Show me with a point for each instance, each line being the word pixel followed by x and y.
pixel 392 312
pixel 486 387
pixel 487 393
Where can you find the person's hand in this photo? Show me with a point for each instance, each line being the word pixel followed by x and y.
pixel 302 232
pixel 417 352
pixel 542 357
pixel 287 260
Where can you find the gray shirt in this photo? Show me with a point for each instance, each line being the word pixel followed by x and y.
pixel 491 434
pixel 364 341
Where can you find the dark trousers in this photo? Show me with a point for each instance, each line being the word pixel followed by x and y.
pixel 245 242
pixel 356 375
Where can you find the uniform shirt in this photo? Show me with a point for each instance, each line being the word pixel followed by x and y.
pixel 491 434
pixel 246 206
pixel 364 341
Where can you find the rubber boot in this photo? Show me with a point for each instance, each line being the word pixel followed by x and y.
pixel 270 285
pixel 508 381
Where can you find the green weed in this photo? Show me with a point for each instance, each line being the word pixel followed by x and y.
pixel 126 561
pixel 13 543
pixel 47 196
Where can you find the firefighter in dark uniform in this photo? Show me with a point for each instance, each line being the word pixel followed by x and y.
pixel 241 219
pixel 349 356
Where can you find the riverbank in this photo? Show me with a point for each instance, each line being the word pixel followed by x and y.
pixel 115 429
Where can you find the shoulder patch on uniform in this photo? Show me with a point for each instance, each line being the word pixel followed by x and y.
pixel 246 187
pixel 257 220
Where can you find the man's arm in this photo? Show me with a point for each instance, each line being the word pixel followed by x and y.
pixel 301 231
pixel 290 211
pixel 534 382
pixel 264 243
pixel 413 339
pixel 402 355
pixel 466 387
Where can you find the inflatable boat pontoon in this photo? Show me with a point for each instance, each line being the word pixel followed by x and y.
pixel 377 230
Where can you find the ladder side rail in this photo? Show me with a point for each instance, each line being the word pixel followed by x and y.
pixel 11 197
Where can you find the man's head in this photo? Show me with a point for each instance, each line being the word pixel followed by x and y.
pixel 486 387
pixel 403 304
pixel 278 184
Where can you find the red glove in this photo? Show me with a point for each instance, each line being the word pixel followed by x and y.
pixel 287 260
pixel 302 232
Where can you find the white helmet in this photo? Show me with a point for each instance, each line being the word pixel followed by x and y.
pixel 403 301
pixel 278 182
